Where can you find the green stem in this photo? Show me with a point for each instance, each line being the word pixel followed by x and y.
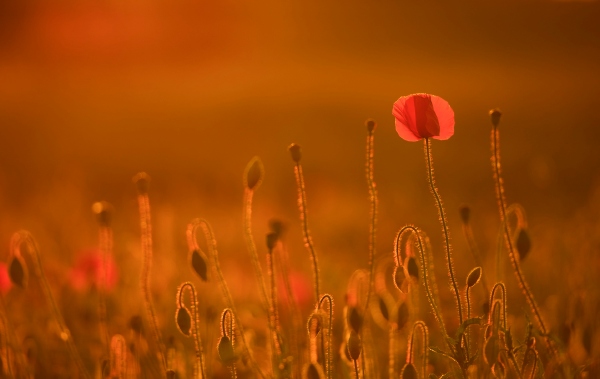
pixel 442 216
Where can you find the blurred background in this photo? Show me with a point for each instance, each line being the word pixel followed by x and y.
pixel 189 91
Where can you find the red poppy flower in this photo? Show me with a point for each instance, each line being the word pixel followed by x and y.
pixel 5 282
pixel 422 116
pixel 86 272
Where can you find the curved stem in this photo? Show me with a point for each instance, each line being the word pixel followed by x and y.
pixel 196 323
pixel 425 346
pixel 24 237
pixel 106 247
pixel 442 216
pixel 501 197
pixel 502 288
pixel 227 330
pixel 308 243
pixel 424 270
pixel 328 364
pixel 373 212
pixel 212 247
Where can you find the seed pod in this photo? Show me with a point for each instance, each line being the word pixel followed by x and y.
pixel 184 321
pixel 296 152
pixel 473 277
pixel 313 371
pixel 355 319
pixel 354 345
pixel 384 309
pixel 199 265
pixel 409 372
pixel 465 213
pixel 272 239
pixel 254 174
pixel 371 125
pixel 142 182
pixel 225 350
pixel 402 315
pixel 17 271
pixel 523 244
pixel 495 115
pixel 412 268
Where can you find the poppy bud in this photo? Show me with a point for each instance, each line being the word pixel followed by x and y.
pixel 355 319
pixel 296 152
pixel 402 315
pixel 523 244
pixel 371 125
pixel 272 239
pixel 184 321
pixel 254 174
pixel 17 271
pixel 199 266
pixel 384 309
pixel 473 277
pixel 103 212
pixel 354 345
pixel 412 268
pixel 225 350
pixel 409 372
pixel 465 213
pixel 495 114
pixel 142 182
pixel 278 227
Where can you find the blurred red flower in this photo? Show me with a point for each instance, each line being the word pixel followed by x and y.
pixel 5 282
pixel 422 116
pixel 86 273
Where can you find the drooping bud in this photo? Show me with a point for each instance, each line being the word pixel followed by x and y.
pixel 465 213
pixel 384 309
pixel 412 268
pixel 225 350
pixel 402 315
pixel 355 319
pixel 296 152
pixel 495 115
pixel 184 321
pixel 523 244
pixel 473 277
pixel 254 174
pixel 17 271
pixel 409 372
pixel 198 262
pixel 354 345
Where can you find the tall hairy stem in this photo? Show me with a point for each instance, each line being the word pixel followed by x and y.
pixel 328 358
pixel 308 243
pixel 446 233
pixel 373 205
pixel 214 254
pixel 24 237
pixel 142 181
pixel 514 260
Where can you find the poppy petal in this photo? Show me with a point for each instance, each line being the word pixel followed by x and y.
pixel 405 119
pixel 445 116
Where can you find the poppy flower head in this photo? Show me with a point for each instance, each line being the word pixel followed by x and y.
pixel 5 282
pixel 422 115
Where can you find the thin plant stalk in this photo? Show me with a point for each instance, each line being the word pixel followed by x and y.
pixel 195 323
pixel 514 260
pixel 373 202
pixel 228 330
pixel 24 237
pixel 308 243
pixel 446 233
pixel 105 241
pixel 214 254
pixel 273 311
pixel 475 253
pixel 142 182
